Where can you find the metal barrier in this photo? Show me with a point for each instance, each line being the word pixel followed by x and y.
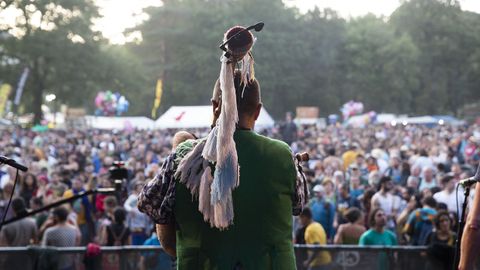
pixel 341 257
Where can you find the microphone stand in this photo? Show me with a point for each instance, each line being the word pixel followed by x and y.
pixel 60 202
pixel 460 227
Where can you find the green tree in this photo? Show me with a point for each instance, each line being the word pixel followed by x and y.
pixel 448 40
pixel 55 40
pixel 377 66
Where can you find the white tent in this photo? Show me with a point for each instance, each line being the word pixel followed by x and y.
pixel 383 118
pixel 200 117
pixel 419 120
pixel 103 122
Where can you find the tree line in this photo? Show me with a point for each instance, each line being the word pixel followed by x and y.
pixel 422 59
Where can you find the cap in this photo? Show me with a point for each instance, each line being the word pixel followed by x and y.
pixel 318 188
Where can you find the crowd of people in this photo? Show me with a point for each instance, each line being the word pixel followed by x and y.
pixel 385 185
pixel 380 185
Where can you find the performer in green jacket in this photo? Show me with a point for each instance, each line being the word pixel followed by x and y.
pixel 261 234
pixel 234 191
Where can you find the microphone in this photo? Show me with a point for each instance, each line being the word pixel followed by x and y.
pixel 471 180
pixel 13 163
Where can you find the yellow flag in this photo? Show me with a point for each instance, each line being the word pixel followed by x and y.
pixel 158 98
pixel 4 92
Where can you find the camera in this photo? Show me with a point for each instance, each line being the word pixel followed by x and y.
pixel 118 171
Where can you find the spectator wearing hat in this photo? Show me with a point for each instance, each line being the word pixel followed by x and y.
pixel 323 211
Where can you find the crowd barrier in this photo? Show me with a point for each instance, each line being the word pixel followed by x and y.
pixel 335 257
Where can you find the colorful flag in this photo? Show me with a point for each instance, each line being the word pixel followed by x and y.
pixel 4 93
pixel 158 98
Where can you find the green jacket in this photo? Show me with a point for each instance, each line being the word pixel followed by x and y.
pixel 261 236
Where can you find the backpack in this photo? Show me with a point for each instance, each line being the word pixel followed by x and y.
pixel 425 231
pixel 117 239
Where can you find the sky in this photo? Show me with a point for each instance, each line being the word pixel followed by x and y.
pixel 122 14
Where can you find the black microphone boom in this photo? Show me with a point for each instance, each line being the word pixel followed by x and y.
pixel 13 163
pixel 471 180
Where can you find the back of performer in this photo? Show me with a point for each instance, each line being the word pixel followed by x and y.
pixel 260 237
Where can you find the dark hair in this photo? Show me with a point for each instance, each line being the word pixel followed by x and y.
pixel 24 182
pixel 306 212
pixel 119 215
pixel 18 205
pixel 441 206
pixel 384 180
pixel 446 179
pixel 367 195
pixel 440 214
pixel 441 167
pixel 429 201
pixel 248 96
pixel 331 151
pixel 411 191
pixel 344 186
pixel 38 201
pixel 353 214
pixel 435 189
pixel 61 213
pixel 371 218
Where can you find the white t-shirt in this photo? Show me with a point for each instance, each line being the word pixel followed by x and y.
pixel 450 199
pixel 388 203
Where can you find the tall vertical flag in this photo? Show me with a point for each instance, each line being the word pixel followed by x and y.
pixel 21 84
pixel 158 98
pixel 4 92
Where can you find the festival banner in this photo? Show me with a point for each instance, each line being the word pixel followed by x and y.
pixel 21 85
pixel 5 90
pixel 158 98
